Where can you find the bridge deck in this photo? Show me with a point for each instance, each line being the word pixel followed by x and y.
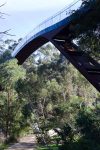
pixel 61 19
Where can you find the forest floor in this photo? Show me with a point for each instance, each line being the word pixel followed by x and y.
pixel 25 143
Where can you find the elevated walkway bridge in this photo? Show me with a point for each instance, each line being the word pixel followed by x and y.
pixel 60 30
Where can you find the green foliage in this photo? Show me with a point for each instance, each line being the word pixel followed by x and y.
pixel 50 147
pixel 10 106
pixel 89 124
pixel 89 26
pixel 47 93
pixel 3 146
pixel 10 74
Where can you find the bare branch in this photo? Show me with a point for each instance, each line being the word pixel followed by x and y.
pixel 3 4
pixel 7 32
pixel 2 13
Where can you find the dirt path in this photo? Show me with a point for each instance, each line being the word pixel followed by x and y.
pixel 25 143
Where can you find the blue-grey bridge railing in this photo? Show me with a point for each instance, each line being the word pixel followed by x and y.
pixel 49 22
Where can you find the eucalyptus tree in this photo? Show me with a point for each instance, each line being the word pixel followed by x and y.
pixel 10 104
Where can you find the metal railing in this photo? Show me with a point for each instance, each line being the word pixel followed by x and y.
pixel 64 13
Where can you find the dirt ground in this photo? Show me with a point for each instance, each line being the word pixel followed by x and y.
pixel 25 143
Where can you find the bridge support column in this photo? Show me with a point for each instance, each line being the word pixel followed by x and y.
pixel 87 66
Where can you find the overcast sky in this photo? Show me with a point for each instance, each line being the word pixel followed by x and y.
pixel 24 15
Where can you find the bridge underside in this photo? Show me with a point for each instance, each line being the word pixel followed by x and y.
pixel 87 66
pixel 62 38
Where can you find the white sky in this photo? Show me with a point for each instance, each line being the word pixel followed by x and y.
pixel 24 15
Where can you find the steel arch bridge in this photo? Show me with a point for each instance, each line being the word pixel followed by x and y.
pixel 60 31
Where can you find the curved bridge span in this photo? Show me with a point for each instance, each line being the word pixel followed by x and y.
pixel 60 30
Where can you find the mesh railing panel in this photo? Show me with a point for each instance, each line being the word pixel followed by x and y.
pixel 64 13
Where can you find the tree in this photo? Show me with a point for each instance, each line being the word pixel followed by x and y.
pixel 89 26
pixel 10 105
